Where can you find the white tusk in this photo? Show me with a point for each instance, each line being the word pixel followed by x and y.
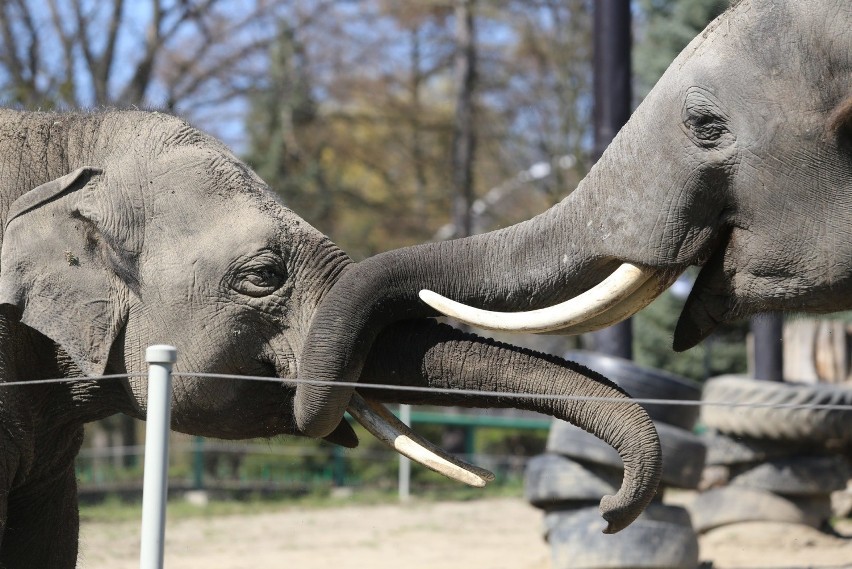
pixel 383 425
pixel 610 292
pixel 641 297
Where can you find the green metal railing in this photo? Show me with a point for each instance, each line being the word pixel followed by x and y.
pixel 310 466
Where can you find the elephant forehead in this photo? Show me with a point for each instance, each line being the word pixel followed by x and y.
pixel 185 182
pixel 187 174
pixel 217 228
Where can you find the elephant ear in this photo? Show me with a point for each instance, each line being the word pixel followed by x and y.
pixel 58 268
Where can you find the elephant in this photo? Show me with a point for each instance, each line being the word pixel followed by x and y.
pixel 739 161
pixel 123 229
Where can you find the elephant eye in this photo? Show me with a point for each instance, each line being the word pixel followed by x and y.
pixel 706 128
pixel 259 280
pixel 704 121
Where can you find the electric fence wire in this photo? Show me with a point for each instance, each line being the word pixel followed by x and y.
pixel 474 392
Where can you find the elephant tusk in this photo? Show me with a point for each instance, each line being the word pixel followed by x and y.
pixel 383 425
pixel 605 296
pixel 641 297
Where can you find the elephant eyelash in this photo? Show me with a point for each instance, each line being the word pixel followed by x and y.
pixel 707 128
pixel 266 276
pixel 259 276
pixel 703 118
pixel 259 281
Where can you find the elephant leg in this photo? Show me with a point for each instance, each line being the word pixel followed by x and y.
pixel 42 524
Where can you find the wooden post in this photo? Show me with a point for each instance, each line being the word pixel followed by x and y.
pixel 612 93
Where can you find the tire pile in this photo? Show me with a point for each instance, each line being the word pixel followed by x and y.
pixel 772 463
pixel 578 469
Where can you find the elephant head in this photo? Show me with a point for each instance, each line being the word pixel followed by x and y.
pixel 738 161
pixel 140 230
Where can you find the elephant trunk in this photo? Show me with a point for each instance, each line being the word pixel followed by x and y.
pixel 426 354
pixel 569 249
pixel 384 289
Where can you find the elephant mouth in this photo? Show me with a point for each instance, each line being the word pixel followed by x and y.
pixel 384 426
pixel 711 301
pixel 626 291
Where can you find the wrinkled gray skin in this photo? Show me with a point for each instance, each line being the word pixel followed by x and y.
pixel 739 161
pixel 126 229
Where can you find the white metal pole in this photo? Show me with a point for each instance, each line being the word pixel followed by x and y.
pixel 404 463
pixel 156 482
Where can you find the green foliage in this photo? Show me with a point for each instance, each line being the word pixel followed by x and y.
pixel 723 352
pixel 511 442
pixel 304 470
pixel 667 26
pixel 354 129
pixel 344 162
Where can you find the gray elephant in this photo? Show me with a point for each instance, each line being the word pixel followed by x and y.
pixel 738 161
pixel 124 229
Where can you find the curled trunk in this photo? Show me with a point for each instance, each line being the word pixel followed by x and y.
pixel 425 354
pixel 548 259
pixel 384 289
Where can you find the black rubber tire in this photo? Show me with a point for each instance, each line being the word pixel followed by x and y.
pixel 730 505
pixel 647 383
pixel 655 512
pixel 683 452
pixel 795 476
pixel 653 541
pixel 797 424
pixel 727 451
pixel 554 481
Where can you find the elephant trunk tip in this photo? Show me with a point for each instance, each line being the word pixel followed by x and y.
pixel 318 418
pixel 620 513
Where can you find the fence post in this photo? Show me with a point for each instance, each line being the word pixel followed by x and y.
pixel 156 482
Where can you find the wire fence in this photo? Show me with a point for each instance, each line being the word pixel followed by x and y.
pixel 285 466
pixel 419 389
pixel 235 469
pixel 288 468
pixel 292 465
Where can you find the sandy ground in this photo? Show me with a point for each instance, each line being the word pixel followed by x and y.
pixel 493 534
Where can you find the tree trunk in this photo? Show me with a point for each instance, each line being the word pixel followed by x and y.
pixel 612 93
pixel 464 135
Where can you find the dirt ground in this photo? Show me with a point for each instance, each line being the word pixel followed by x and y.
pixel 493 534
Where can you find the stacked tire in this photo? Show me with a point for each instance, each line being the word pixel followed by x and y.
pixel 776 452
pixel 578 469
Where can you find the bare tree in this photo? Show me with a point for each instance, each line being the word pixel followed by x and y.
pixel 195 57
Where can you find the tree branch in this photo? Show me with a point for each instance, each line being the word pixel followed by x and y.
pixel 22 67
pixel 9 54
pixel 108 57
pixel 68 89
pixel 92 63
